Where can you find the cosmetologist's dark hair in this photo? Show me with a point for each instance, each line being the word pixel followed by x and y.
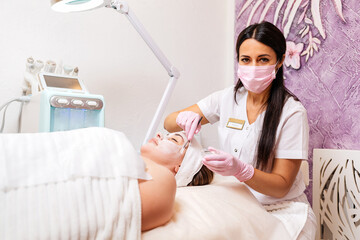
pixel 271 36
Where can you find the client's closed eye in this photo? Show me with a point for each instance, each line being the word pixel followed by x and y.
pixel 175 138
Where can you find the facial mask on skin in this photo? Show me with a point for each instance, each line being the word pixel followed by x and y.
pixel 168 146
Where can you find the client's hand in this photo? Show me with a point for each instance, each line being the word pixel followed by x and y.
pixel 189 122
pixel 228 165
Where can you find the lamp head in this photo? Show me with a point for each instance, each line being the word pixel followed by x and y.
pixel 77 5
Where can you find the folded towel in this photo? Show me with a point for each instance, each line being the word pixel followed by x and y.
pixel 84 208
pixel 30 159
pixel 79 184
pixel 191 163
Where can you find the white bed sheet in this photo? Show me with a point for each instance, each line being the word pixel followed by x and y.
pixel 225 209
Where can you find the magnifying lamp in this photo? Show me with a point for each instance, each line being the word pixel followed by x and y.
pixel 123 7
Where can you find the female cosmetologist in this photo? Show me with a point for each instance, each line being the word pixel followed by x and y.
pixel 263 128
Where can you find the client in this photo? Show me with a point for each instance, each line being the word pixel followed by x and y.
pixel 164 158
pixel 91 183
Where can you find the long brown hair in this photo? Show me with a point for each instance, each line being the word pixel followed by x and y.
pixel 202 177
pixel 271 36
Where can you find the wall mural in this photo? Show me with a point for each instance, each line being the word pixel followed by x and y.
pixel 322 64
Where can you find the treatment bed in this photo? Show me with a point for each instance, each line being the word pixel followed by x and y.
pixel 73 201
pixel 225 209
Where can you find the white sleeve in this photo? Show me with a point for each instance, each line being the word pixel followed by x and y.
pixel 293 134
pixel 210 106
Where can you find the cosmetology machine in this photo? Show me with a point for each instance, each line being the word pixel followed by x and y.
pixel 58 101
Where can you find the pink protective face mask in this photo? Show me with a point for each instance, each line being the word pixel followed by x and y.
pixel 256 78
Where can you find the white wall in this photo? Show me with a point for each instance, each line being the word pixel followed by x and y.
pixel 196 36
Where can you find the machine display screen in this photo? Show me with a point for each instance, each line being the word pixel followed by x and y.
pixel 62 82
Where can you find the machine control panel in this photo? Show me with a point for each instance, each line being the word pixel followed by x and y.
pixel 76 102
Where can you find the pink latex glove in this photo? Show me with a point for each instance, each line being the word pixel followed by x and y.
pixel 189 122
pixel 227 165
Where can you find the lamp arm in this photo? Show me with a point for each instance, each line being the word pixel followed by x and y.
pixel 123 7
pixel 160 109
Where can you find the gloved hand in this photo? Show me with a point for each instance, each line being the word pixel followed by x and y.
pixel 227 165
pixel 189 122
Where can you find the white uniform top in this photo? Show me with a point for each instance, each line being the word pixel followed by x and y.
pixel 292 135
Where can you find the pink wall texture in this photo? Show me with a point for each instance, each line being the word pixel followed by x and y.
pixel 322 66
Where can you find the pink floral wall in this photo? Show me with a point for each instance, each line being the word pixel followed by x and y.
pixel 322 65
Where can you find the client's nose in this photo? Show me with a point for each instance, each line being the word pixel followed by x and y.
pixel 159 135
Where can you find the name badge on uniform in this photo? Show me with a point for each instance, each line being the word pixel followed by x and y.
pixel 235 123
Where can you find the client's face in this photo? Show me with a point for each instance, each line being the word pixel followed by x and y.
pixel 166 150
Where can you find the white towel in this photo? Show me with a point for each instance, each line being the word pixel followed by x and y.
pixel 191 163
pixel 29 159
pixel 79 184
pixel 84 208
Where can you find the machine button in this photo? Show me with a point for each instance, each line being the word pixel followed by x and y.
pixel 77 102
pixel 92 103
pixel 63 101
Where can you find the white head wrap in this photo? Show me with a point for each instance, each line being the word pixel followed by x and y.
pixel 190 165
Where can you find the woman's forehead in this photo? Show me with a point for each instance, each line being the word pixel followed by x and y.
pixel 254 47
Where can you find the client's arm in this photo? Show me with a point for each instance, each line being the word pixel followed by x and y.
pixel 157 196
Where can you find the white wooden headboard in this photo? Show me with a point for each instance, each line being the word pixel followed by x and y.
pixel 336 194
